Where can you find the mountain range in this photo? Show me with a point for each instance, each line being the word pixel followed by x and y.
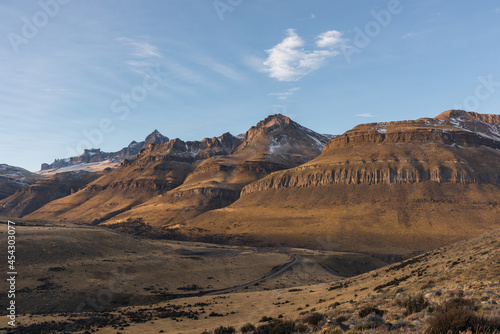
pixel 95 155
pixel 393 188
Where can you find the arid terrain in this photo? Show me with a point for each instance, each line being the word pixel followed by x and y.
pixel 468 269
pixel 278 230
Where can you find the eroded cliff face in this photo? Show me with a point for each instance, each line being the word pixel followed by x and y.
pixel 203 175
pixel 396 152
pixel 417 132
pixel 215 180
pixel 394 187
pixel 382 176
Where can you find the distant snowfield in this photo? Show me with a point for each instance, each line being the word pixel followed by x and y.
pixel 87 167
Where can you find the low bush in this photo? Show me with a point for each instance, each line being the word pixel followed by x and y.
pixel 280 327
pixel 341 318
pixel 314 318
pixel 413 304
pixel 225 330
pixel 366 311
pixel 458 315
pixel 265 319
pixel 248 328
pixel 459 320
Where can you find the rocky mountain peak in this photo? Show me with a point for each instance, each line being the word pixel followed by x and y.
pixel 155 137
pixel 469 116
pixel 271 125
pixel 273 121
pixel 485 125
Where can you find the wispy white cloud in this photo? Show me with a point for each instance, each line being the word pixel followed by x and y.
pixel 285 95
pixel 366 114
pixel 288 61
pixel 140 48
pixel 329 39
pixel 409 35
pixel 225 70
pixel 145 56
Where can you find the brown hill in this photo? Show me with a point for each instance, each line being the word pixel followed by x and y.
pixel 33 197
pixel 274 144
pixel 395 187
pixel 154 170
pixel 179 180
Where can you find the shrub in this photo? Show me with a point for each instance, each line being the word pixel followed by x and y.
pixel 341 318
pixel 314 318
pixel 280 327
pixel 265 319
pixel 334 305
pixel 374 320
pixel 460 320
pixel 413 304
pixel 248 328
pixel 365 311
pixel 458 303
pixel 361 326
pixel 458 315
pixel 224 330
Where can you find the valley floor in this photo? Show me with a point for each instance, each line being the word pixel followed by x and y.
pixel 404 297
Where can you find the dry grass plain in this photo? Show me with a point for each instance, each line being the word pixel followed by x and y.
pixel 468 269
pixel 65 269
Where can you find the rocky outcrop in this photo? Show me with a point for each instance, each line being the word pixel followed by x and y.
pixel 419 131
pixel 369 177
pixel 202 175
pixel 470 116
pixel 396 152
pixel 96 155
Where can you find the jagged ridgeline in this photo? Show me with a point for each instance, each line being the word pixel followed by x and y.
pixel 167 184
pixel 395 187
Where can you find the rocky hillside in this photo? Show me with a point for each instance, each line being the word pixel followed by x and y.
pixel 154 170
pixel 453 289
pixel 14 178
pixel 31 198
pixel 395 187
pixel 169 183
pixel 407 152
pixel 483 124
pixel 275 143
pixel 96 155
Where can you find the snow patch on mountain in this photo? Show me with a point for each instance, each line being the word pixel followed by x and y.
pixel 87 167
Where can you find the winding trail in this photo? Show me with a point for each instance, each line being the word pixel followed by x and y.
pixel 295 260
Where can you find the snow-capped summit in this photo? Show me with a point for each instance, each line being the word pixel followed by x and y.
pixel 485 125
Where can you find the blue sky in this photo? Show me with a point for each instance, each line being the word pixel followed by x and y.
pixel 102 73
